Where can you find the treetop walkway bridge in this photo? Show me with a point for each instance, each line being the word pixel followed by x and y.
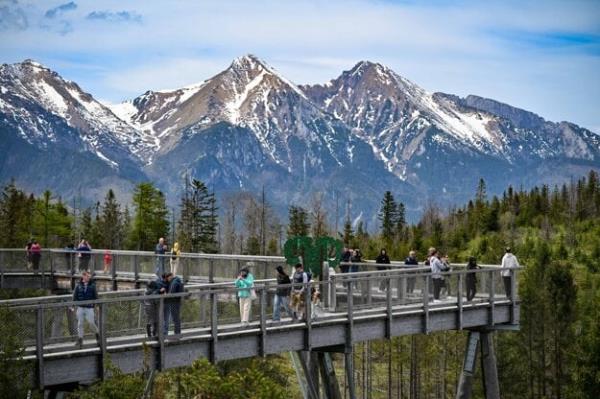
pixel 366 305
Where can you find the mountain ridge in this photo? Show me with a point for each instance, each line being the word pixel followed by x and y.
pixel 369 123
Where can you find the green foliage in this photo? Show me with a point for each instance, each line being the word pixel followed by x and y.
pixel 150 221
pixel 15 373
pixel 197 228
pixel 298 224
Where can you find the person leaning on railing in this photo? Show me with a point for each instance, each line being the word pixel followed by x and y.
pixel 151 309
pixel 508 261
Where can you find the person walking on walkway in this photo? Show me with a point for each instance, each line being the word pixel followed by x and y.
pixel 151 308
pixel 282 294
pixel 245 283
pixel 356 258
pixel 175 252
pixel 36 255
pixel 28 253
pixel 300 280
pixel 160 250
pixel 508 261
pixel 471 278
pixel 172 308
pixel 85 290
pixel 382 259
pixel 411 261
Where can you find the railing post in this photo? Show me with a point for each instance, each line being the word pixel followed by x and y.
pixel 388 325
pixel 102 336
pixel 491 298
pixel 513 296
pixel 263 321
pixel 211 271
pixel 332 292
pixel 113 272
pixel 307 317
pixel 459 300
pixel 160 364
pixel 214 327
pixel 136 271
pixel 426 304
pixel 368 289
pixel 39 346
pixel 350 306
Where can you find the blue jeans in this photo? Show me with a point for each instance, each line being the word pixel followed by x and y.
pixel 281 301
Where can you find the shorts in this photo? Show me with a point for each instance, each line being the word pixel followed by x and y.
pixel 297 299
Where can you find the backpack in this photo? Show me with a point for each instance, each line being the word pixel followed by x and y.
pixel 308 276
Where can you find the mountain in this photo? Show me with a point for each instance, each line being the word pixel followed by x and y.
pixel 57 136
pixel 248 127
pixel 442 144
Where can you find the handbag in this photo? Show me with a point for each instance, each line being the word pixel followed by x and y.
pixel 253 295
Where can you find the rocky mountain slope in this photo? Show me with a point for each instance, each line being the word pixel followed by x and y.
pixel 367 131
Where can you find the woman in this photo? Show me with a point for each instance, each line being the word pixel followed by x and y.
pixel 245 285
pixel 36 255
pixel 175 252
pixel 382 259
pixel 107 261
pixel 471 278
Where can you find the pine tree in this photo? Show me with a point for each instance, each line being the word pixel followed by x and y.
pixel 111 223
pixel 150 221
pixel 298 224
pixel 15 209
pixel 388 216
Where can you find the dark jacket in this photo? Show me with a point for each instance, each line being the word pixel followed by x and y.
pixel 82 294
pixel 84 251
pixel 283 279
pixel 175 287
pixel 411 261
pixel 382 259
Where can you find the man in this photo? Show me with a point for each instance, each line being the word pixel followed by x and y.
pixel 151 308
pixel 282 294
pixel 160 250
pixel 508 261
pixel 85 291
pixel 345 258
pixel 172 305
pixel 436 273
pixel 300 279
pixel 382 259
pixel 411 261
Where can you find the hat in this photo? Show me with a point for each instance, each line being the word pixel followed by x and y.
pixel 279 269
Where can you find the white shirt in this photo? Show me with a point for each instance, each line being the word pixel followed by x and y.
pixel 509 260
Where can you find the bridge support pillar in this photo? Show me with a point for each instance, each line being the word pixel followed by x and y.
pixel 479 340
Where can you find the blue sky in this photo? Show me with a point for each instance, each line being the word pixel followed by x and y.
pixel 543 56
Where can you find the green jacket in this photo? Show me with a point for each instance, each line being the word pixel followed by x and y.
pixel 247 282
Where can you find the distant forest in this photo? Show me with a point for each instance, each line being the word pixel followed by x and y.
pixel 554 231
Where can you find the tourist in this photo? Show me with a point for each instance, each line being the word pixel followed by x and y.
pixel 300 280
pixel 382 259
pixel 471 278
pixel 151 308
pixel 436 273
pixel 345 258
pixel 175 252
pixel 36 255
pixel 84 254
pixel 282 294
pixel 85 290
pixel 160 250
pixel 107 261
pixel 172 307
pixel 411 261
pixel 356 258
pixel 245 285
pixel 508 261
